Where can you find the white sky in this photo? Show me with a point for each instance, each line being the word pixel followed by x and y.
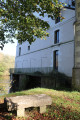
pixel 9 49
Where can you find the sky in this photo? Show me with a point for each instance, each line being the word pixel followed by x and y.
pixel 9 49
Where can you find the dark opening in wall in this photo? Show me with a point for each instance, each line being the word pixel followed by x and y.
pixel 15 83
pixel 55 62
pixel 56 36
pixel 29 47
pixel 19 51
pixel 57 20
pixel 34 82
pixel 73 2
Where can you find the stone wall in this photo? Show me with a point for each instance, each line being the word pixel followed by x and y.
pixel 47 82
pixel 23 81
pixel 76 79
pixel 52 81
pixel 76 69
pixel 55 82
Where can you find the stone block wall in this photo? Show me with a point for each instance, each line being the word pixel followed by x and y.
pixel 55 82
pixel 23 81
pixel 76 79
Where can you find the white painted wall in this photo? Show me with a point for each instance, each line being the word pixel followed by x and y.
pixel 66 58
pixel 41 51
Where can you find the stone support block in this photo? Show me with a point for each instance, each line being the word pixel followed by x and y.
pixel 42 109
pixel 19 103
pixel 20 112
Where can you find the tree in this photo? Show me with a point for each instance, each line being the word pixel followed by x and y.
pixel 2 38
pixel 2 68
pixel 18 19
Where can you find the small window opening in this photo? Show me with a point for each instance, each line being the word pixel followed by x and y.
pixel 29 47
pixel 56 36
pixel 19 51
pixel 56 54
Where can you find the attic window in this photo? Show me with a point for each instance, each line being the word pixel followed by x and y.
pixel 29 47
pixel 57 20
pixel 73 2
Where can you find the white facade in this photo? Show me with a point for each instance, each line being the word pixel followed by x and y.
pixel 41 52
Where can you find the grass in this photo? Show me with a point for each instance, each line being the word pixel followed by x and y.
pixel 65 105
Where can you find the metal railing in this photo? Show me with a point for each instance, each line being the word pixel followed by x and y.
pixel 44 70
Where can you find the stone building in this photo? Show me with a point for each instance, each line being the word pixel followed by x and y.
pixel 56 52
pixel 76 69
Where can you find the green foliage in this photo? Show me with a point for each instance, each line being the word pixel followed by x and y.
pixel 19 19
pixel 4 84
pixel 2 67
pixel 6 62
pixel 2 34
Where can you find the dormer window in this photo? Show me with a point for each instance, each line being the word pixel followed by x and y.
pixel 69 3
pixel 73 2
pixel 57 20
pixel 29 47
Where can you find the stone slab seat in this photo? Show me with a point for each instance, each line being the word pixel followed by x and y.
pixel 19 103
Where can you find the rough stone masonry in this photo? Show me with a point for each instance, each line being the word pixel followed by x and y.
pixel 76 69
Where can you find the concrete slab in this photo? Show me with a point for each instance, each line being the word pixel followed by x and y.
pixel 19 103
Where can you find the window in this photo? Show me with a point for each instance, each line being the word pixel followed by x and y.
pixel 19 51
pixel 28 47
pixel 57 20
pixel 73 2
pixel 56 53
pixel 56 36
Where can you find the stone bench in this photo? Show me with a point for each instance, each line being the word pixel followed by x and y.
pixel 19 103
